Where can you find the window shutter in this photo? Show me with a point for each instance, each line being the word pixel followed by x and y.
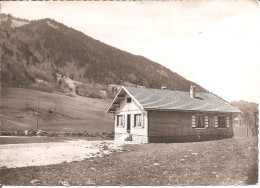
pixel 132 120
pixel 123 119
pixel 116 121
pixel 227 121
pixel 216 121
pixel 142 120
pixel 206 121
pixel 193 121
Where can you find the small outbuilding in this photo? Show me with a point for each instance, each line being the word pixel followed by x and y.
pixel 154 115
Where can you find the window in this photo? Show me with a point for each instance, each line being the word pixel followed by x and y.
pixel 200 121
pixel 128 100
pixel 120 120
pixel 222 121
pixel 138 120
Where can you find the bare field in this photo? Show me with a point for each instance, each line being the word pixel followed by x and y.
pixel 56 112
pixel 221 162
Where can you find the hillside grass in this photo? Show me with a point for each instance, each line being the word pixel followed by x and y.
pixel 56 112
pixel 223 162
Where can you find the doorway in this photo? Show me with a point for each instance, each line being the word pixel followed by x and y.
pixel 128 122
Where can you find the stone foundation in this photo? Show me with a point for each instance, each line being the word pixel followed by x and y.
pixel 135 138
pixel 121 136
pixel 139 138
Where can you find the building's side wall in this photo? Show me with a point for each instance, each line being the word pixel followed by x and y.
pixel 138 134
pixel 170 126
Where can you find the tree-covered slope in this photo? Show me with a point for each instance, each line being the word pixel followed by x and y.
pixel 38 49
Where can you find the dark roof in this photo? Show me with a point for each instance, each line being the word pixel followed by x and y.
pixel 155 99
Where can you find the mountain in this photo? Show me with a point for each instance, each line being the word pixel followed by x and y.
pixel 245 106
pixel 34 52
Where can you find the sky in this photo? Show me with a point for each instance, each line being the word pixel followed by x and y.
pixel 214 43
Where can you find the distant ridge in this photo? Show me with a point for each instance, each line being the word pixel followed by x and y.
pixel 37 50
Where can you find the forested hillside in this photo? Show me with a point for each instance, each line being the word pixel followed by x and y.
pixel 249 109
pixel 34 51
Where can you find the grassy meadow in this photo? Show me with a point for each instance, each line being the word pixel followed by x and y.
pixel 56 112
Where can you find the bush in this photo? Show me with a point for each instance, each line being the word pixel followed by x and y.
pixel 57 133
pixel 95 94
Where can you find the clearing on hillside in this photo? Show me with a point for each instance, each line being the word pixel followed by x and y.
pixel 19 111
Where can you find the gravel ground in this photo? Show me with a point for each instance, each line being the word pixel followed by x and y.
pixel 39 154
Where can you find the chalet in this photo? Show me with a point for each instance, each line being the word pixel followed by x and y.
pixel 153 115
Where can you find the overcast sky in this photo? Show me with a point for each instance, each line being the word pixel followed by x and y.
pixel 213 43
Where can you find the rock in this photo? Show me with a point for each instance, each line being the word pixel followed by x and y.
pixel 3 167
pixel 64 183
pixel 194 154
pixel 182 160
pixel 92 168
pixel 155 164
pixel 105 147
pixel 39 132
pixel 35 181
pixel 110 163
pixel 90 182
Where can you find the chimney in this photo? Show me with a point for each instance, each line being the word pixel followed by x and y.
pixel 163 87
pixel 192 92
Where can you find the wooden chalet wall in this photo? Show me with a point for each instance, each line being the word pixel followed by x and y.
pixel 124 109
pixel 171 126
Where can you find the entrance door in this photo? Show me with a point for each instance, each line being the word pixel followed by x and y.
pixel 128 122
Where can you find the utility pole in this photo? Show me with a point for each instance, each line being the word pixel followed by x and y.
pixel 27 99
pixel 37 115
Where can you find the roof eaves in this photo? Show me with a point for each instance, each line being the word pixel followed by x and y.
pixel 114 99
pixel 225 102
pixel 175 110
